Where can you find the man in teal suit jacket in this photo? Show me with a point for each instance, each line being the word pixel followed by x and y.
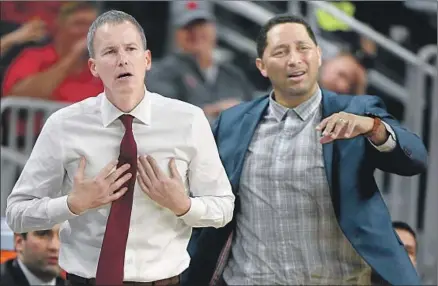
pixel 283 230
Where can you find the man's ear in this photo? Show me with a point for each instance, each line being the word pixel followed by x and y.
pixel 319 52
pixel 261 66
pixel 19 242
pixel 92 67
pixel 148 59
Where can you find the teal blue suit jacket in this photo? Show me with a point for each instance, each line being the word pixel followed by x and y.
pixel 349 164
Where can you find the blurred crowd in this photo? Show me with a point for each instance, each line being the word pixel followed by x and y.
pixel 49 48
pixel 48 59
pixel 58 69
pixel 51 64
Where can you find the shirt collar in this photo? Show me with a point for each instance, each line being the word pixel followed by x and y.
pixel 303 111
pixel 142 112
pixel 31 278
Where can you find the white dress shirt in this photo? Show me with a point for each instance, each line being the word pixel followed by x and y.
pixel 32 279
pixel 163 128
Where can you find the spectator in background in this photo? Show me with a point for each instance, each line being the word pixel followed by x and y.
pixel 191 74
pixel 343 74
pixel 36 262
pixel 409 238
pixel 14 38
pixel 34 30
pixel 339 32
pixel 58 70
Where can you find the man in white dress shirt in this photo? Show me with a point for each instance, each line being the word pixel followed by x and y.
pixel 73 177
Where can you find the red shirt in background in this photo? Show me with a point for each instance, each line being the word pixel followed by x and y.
pixel 74 88
pixel 20 12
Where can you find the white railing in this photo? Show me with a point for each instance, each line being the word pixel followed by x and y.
pixel 17 147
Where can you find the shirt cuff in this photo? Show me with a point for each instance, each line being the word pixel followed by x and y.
pixel 58 210
pixel 390 143
pixel 195 213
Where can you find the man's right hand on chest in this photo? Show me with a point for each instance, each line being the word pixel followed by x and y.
pixel 89 193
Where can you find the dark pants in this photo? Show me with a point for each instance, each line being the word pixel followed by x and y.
pixel 376 280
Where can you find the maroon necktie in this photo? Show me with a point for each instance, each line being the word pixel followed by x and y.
pixel 110 268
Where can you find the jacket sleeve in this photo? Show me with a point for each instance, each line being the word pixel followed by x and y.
pixel 409 157
pixel 215 127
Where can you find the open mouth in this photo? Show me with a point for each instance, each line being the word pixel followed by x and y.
pixel 295 74
pixel 124 75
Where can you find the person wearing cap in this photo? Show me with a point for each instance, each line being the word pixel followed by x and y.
pixel 191 73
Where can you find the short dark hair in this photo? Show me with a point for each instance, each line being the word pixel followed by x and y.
pixel 404 226
pixel 276 20
pixel 24 235
pixel 39 233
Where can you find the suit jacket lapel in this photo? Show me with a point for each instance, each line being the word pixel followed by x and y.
pixel 60 281
pixel 249 124
pixel 328 109
pixel 19 277
pixel 18 274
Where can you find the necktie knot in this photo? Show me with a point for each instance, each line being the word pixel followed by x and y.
pixel 127 121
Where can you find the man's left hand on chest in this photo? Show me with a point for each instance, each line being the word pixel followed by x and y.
pixel 168 192
pixel 344 125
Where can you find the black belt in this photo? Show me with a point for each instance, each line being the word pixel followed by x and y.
pixel 75 279
pixel 80 280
